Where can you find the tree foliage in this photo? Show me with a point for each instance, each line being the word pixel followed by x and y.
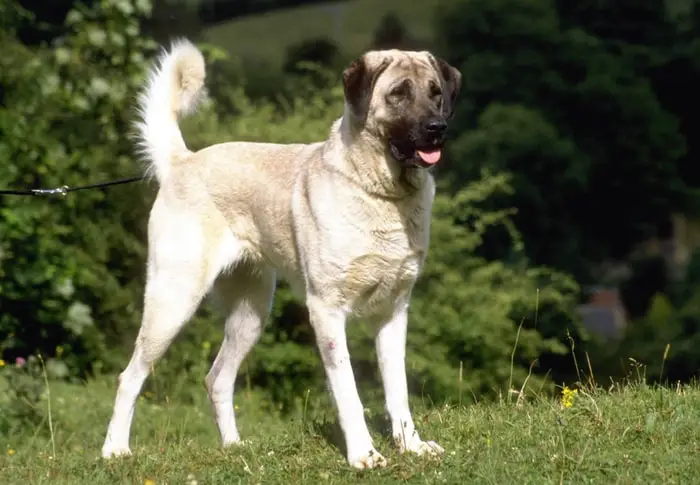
pixel 578 124
pixel 71 266
pixel 664 338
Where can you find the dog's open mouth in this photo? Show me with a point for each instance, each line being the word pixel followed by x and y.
pixel 430 156
pixel 423 157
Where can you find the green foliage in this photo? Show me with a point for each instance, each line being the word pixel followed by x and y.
pixel 649 277
pixel 21 392
pixel 11 16
pixel 519 140
pixel 391 33
pixel 666 338
pixel 579 126
pixel 320 51
pixel 70 267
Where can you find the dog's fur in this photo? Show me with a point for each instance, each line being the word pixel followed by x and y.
pixel 345 221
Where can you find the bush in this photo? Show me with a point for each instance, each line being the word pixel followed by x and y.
pixel 666 338
pixel 71 267
pixel 21 392
pixel 391 33
pixel 320 51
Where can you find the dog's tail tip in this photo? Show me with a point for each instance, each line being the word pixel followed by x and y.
pixel 174 88
pixel 188 73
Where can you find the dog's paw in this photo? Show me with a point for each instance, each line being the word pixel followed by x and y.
pixel 415 445
pixel 109 451
pixel 232 443
pixel 372 459
pixel 425 448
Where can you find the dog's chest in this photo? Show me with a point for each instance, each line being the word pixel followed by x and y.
pixel 383 260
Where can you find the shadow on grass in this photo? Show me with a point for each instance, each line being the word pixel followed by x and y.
pixel 332 433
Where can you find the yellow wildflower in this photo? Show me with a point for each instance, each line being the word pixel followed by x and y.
pixel 568 396
pixel 59 351
pixel 148 481
pixel 2 363
pixel 10 452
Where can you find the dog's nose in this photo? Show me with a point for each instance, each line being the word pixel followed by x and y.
pixel 435 126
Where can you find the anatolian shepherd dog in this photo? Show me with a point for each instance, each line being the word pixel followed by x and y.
pixel 345 221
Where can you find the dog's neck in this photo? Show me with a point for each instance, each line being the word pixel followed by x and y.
pixel 368 162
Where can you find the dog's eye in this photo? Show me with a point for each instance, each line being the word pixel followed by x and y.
pixel 400 91
pixel 435 91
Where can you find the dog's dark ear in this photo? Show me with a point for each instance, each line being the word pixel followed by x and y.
pixel 452 80
pixel 358 82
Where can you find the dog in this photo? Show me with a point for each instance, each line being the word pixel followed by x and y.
pixel 345 221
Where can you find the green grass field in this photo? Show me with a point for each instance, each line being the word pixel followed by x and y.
pixel 267 36
pixel 632 435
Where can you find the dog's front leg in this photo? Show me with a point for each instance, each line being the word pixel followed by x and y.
pixel 391 352
pixel 329 327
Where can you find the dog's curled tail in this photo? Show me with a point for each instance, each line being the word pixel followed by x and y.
pixel 174 87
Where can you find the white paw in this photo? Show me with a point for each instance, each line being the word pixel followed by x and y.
pixel 109 451
pixel 425 448
pixel 372 459
pixel 235 442
pixel 418 446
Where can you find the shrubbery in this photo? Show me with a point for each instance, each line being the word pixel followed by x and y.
pixel 665 338
pixel 21 392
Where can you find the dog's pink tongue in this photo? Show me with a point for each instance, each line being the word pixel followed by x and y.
pixel 431 158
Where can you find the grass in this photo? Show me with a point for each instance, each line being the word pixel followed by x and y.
pixel 350 24
pixel 633 434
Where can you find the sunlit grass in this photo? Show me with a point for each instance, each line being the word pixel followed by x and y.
pixel 632 434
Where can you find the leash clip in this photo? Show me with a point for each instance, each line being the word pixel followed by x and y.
pixel 63 191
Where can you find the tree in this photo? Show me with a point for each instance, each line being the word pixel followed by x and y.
pixel 659 38
pixel 321 51
pixel 647 22
pixel 46 20
pixel 607 175
pixel 391 33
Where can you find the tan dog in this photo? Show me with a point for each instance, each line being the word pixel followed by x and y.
pixel 345 221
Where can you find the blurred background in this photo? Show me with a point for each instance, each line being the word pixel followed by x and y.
pixel 565 230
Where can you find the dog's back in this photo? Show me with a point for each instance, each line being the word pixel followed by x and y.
pixel 251 185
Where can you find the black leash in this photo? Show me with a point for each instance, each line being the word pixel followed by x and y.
pixel 64 190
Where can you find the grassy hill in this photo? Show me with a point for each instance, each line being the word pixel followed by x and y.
pixel 631 435
pixel 350 24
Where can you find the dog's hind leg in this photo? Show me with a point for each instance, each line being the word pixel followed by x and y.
pixel 183 264
pixel 246 295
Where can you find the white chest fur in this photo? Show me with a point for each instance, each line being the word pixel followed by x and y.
pixel 375 254
pixel 374 280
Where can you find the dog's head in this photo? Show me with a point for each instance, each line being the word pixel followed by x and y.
pixel 404 99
